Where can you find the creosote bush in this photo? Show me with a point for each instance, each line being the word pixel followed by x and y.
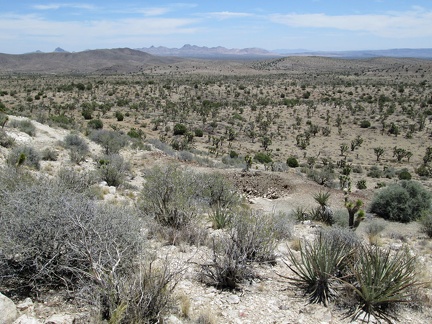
pixel 111 141
pixel 403 201
pixel 24 155
pixel 112 169
pixel 77 146
pixel 54 237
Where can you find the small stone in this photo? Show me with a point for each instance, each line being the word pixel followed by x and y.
pixel 233 299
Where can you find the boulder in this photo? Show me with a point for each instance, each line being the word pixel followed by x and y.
pixel 8 310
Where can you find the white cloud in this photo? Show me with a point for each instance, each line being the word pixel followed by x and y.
pixel 79 35
pixel 409 24
pixel 228 15
pixel 56 6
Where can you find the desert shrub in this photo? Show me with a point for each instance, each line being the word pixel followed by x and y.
pixel 389 172
pixel 292 162
pixel 404 174
pixel 95 124
pixel 169 195
pixel 375 172
pixel 228 266
pixel 424 171
pixel 77 146
pixel 323 176
pixel 403 201
pixel 78 182
pixel 24 155
pixel 119 116
pixel 221 196
pixel 112 168
pixel 87 113
pixel 198 132
pixel 185 156
pixel 6 140
pixel 233 154
pixel 340 217
pixel 249 238
pixel 426 223
pixel 145 296
pixel 111 141
pixel 262 157
pixel 162 146
pixel 53 237
pixel 237 162
pixel 254 235
pixel 382 279
pixel 49 154
pixel 278 167
pixel 25 126
pixel 365 124
pixel 361 184
pixel 179 129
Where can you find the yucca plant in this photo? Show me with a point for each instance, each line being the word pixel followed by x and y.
pixel 319 264
pixel 381 279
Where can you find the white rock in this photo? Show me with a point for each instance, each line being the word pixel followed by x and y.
pixel 27 303
pixel 112 190
pixel 26 319
pixel 60 319
pixel 8 310
pixel 233 299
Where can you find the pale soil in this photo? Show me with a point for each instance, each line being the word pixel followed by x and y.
pixel 269 298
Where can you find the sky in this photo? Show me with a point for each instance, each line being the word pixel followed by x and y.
pixel 324 25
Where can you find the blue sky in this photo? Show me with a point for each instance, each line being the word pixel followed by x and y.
pixel 78 25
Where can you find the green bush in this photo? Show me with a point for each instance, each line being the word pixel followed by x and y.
pixel 292 162
pixel 119 116
pixel 361 184
pixel 426 223
pixel 262 158
pixel 180 129
pixel 95 124
pixel 198 132
pixel 24 155
pixel 233 154
pixel 365 124
pixel 402 202
pixel 404 175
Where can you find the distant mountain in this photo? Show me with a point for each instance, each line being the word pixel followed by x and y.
pixel 59 50
pixel 120 60
pixel 206 52
pixel 423 53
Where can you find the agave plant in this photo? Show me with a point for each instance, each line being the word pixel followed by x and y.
pixel 382 279
pixel 319 264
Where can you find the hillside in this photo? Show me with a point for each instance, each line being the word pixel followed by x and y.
pixel 110 61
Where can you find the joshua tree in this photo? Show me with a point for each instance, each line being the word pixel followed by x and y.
pixel 353 209
pixel 378 152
